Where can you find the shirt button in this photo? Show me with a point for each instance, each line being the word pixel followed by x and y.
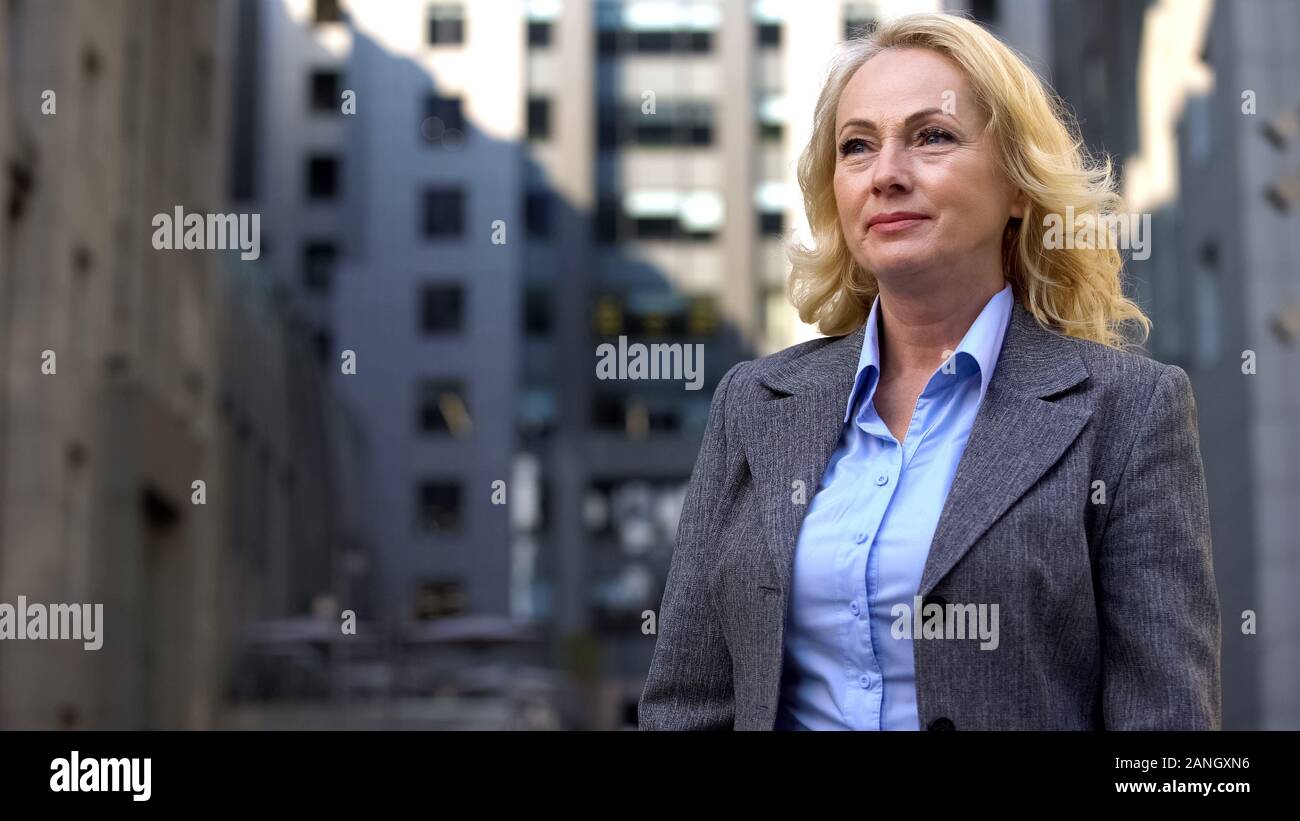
pixel 865 682
pixel 854 608
pixel 881 479
pixel 861 537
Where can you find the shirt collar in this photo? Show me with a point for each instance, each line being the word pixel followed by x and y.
pixel 982 344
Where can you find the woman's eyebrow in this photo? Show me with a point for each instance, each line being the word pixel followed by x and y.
pixel 911 118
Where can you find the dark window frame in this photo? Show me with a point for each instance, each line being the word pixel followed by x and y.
pixel 321 185
pixel 447 29
pixel 442 212
pixel 441 308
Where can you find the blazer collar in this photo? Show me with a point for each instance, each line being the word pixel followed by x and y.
pixel 1034 360
pixel 1016 437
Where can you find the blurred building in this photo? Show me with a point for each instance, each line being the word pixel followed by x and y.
pixel 639 156
pixel 161 369
pixel 380 221
pixel 1195 102
pixel 1238 291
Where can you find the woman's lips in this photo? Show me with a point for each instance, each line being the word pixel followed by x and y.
pixel 895 226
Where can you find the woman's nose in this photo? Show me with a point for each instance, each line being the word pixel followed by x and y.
pixel 890 171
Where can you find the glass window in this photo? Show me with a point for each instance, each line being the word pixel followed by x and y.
pixel 322 176
pixel 538 311
pixel 441 408
pixel 318 259
pixel 438 598
pixel 447 111
pixel 539 33
pixel 537 214
pixel 441 308
pixel 326 91
pixel 539 118
pixel 438 507
pixel 446 24
pixel 328 11
pixel 444 213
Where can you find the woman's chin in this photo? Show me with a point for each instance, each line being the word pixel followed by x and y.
pixel 898 263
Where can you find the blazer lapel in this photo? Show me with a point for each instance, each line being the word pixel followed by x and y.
pixel 789 440
pixel 1016 437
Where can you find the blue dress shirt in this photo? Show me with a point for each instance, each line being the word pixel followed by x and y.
pixel 866 536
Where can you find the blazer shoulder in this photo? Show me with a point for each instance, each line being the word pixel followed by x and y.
pixel 750 374
pixel 1125 385
pixel 1125 371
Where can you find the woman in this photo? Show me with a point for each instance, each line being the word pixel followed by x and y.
pixel 967 507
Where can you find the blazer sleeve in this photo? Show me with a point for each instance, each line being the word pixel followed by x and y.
pixel 689 685
pixel 1157 603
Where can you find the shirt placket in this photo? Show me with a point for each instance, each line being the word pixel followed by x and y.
pixel 885 468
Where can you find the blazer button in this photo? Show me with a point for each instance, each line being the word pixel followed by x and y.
pixel 942 723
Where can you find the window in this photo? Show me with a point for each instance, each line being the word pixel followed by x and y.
pixel 611 41
pixel 444 213
pixel 619 413
pixel 771 117
pixel 676 27
pixel 328 11
pixel 323 340
pixel 446 24
pixel 538 311
pixel 659 215
pixel 438 507
pixel 702 316
pixel 441 308
pixel 770 198
pixel 859 20
pixel 537 214
pixel 539 118
pixel 325 91
pixel 536 420
pixel 446 110
pixel 769 35
pixel 322 177
pixel 435 599
pixel 607 412
pixel 539 33
pixel 1283 193
pixel 674 123
pixel 440 408
pixel 607 316
pixel 667 42
pixel 318 259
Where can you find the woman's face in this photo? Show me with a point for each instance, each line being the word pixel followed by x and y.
pixel 909 149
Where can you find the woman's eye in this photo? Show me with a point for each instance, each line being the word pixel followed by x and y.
pixel 855 145
pixel 934 134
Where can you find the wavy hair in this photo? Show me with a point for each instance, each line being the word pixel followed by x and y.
pixel 1076 290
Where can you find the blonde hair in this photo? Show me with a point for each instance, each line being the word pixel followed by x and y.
pixel 1077 290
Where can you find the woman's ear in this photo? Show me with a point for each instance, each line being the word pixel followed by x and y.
pixel 1020 205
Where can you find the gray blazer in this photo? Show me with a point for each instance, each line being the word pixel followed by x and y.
pixel 1109 616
